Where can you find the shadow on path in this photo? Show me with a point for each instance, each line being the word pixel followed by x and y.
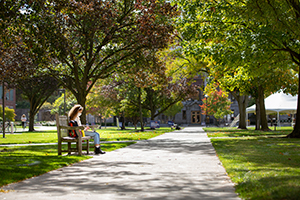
pixel 180 165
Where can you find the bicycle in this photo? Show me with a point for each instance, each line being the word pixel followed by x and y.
pixel 8 127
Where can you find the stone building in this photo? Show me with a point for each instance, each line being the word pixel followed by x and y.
pixel 191 113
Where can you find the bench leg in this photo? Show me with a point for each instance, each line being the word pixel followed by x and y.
pixel 79 148
pixel 59 148
pixel 88 147
pixel 69 148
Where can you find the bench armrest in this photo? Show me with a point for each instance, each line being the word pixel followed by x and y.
pixel 72 127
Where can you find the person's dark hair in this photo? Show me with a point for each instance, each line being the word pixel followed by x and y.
pixel 74 111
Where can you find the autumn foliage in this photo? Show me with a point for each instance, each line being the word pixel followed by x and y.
pixel 91 40
pixel 216 103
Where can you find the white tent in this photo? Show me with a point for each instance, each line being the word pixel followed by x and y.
pixel 279 103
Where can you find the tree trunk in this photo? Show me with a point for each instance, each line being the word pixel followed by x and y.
pixel 135 126
pixel 257 117
pixel 242 102
pixel 141 111
pixel 242 108
pixel 296 132
pixel 263 116
pixel 123 121
pixel 81 99
pixel 31 119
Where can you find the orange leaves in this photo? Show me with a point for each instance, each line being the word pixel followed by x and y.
pixel 216 103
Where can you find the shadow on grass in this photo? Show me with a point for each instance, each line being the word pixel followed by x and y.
pixel 270 188
pixel 233 132
pixel 19 163
pixel 262 168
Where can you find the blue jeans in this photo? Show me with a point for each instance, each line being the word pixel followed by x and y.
pixel 95 135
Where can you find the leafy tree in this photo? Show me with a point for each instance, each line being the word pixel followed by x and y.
pixel 101 100
pixel 279 22
pixel 59 103
pixel 9 114
pixel 174 109
pixel 244 34
pixel 16 60
pixel 37 90
pixel 216 103
pixel 90 40
pixel 179 64
pixel 158 101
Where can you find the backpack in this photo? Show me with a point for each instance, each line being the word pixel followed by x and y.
pixel 73 133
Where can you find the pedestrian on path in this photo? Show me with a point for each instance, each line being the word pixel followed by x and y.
pixel 23 119
pixel 74 116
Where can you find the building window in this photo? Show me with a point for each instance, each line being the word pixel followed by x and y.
pixel 11 94
pixel 184 114
pixel 7 95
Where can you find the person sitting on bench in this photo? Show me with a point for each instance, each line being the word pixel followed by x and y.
pixel 74 116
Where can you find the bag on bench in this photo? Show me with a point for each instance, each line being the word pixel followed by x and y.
pixel 73 133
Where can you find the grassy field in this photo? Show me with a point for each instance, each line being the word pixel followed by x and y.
pixel 21 162
pixel 108 134
pixel 234 132
pixel 263 165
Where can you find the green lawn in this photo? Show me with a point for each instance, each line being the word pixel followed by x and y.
pixel 108 134
pixel 22 162
pixel 29 137
pixel 234 132
pixel 265 167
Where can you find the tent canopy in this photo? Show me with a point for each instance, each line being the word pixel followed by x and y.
pixel 278 103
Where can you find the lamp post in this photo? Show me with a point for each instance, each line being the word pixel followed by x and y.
pixel 64 91
pixel 3 107
pixel 205 96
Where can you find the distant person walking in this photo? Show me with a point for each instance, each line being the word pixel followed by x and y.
pixel 23 119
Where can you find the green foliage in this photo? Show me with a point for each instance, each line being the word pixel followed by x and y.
pixel 47 105
pixel 174 109
pixel 23 104
pixel 58 104
pixel 9 113
pixel 102 100
pixel 91 40
pixel 178 64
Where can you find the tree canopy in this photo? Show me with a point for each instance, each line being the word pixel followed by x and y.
pixel 253 34
pixel 90 40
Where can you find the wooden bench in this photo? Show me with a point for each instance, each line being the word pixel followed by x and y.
pixel 63 128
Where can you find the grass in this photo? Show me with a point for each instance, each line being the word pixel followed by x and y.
pixel 21 162
pixel 234 132
pixel 265 167
pixel 108 134
pixel 30 137
pixel 111 134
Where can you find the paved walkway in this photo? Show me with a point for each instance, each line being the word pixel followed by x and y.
pixel 181 165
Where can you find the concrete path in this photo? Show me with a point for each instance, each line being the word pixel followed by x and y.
pixel 175 166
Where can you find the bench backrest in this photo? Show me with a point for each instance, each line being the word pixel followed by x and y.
pixel 62 121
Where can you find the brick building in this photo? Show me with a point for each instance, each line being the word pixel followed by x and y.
pixel 10 98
